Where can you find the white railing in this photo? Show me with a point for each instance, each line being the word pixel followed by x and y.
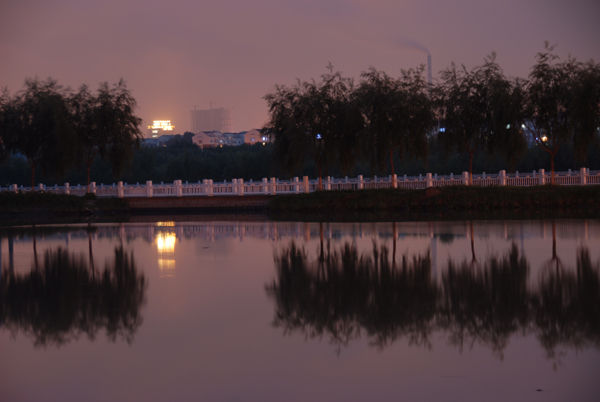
pixel 273 186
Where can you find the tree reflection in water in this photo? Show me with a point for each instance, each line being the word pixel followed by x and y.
pixel 66 297
pixel 485 303
pixel 342 294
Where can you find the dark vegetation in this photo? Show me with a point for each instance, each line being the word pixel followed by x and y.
pixel 189 163
pixel 60 204
pixel 446 200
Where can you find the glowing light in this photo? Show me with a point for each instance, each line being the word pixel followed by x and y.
pixel 522 125
pixel 507 126
pixel 165 242
pixel 164 125
pixel 544 138
pixel 318 136
pixel 442 129
pixel 168 224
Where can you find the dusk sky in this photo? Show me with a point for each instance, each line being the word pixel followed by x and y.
pixel 178 54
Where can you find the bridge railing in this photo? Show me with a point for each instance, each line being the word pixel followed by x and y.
pixel 273 186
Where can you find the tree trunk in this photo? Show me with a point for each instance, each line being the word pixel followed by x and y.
pixel 33 177
pixel 470 168
pixel 552 167
pixel 320 187
pixel 89 167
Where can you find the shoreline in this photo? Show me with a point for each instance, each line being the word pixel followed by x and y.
pixel 446 203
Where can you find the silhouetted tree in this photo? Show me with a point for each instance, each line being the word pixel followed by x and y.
pixel 472 107
pixel 106 125
pixel 41 129
pixel 562 104
pixel 313 120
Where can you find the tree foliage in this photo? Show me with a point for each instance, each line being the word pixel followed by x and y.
pixel 562 103
pixel 40 127
pixel 476 105
pixel 106 125
pixel 314 120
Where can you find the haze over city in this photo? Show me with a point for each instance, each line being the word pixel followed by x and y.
pixel 182 55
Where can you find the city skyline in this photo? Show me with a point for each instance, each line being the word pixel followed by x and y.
pixel 231 53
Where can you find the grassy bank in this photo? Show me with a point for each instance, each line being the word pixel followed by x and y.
pixel 451 200
pixel 39 203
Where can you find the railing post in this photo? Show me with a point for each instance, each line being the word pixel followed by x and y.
pixel 234 186
pixel 67 188
pixel 428 180
pixel 306 184
pixel 541 179
pixel 15 188
pixel 273 186
pixel 120 189
pixel 149 191
pixel 569 173
pixel 502 178
pixel 241 187
pixel 361 182
pixel 465 178
pixel 178 190
pixel 328 183
pixel 265 185
pixel 296 185
pixel 41 187
pixel 394 181
pixel 93 187
pixel 582 175
pixel 209 182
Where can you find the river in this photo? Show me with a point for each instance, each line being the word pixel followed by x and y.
pixel 262 310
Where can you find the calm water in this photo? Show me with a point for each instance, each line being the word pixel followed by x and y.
pixel 258 311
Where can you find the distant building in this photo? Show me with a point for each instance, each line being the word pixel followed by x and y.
pixel 212 120
pixel 210 139
pixel 160 127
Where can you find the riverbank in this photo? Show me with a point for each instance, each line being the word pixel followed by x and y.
pixel 458 202
pixel 446 200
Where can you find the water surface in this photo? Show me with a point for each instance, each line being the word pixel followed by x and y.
pixel 235 311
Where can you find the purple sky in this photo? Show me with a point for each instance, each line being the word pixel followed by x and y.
pixel 232 52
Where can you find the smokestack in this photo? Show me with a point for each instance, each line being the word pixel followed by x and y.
pixel 429 69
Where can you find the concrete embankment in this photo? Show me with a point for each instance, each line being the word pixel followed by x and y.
pixel 199 204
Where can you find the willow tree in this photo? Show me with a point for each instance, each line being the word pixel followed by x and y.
pixel 6 115
pixel 313 120
pixel 41 128
pixel 106 125
pixel 469 104
pixel 563 104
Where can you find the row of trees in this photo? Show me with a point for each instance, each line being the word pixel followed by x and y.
pixel 336 122
pixel 56 129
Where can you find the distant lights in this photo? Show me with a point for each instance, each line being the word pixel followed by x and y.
pixel 507 126
pixel 544 138
pixel 442 129
pixel 164 125
pixel 523 126
pixel 318 136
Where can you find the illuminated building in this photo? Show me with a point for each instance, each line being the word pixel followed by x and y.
pixel 211 139
pixel 160 127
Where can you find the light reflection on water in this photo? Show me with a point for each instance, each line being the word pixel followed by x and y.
pixel 259 310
